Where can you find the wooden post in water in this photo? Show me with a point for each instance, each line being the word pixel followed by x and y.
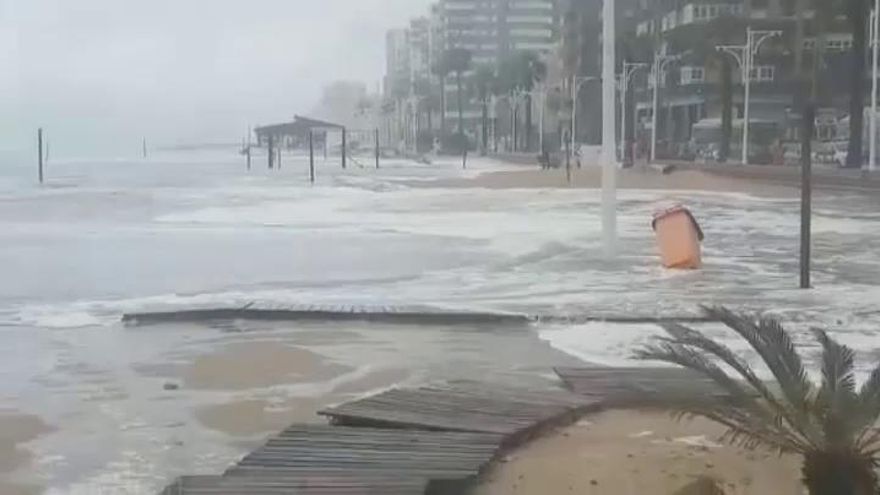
pixel 145 147
pixel 311 156
pixel 326 144
pixel 377 148
pixel 807 129
pixel 271 145
pixel 280 150
pixel 40 153
pixel 464 158
pixel 344 139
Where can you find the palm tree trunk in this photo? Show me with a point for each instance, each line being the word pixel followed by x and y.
pixel 528 137
pixel 833 473
pixel 726 109
pixel 442 108
pixel 460 108
pixel 857 12
pixel 485 125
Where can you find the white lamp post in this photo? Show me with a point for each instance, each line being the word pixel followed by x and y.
pixel 609 143
pixel 745 56
pixel 629 68
pixel 660 62
pixel 875 37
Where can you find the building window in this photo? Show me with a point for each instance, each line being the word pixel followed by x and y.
pixel 692 75
pixel 763 73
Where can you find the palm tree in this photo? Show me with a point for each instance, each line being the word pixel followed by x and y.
pixel 485 85
pixel 521 71
pixel 458 61
pixel 857 13
pixel 831 426
pixel 723 30
pixel 440 70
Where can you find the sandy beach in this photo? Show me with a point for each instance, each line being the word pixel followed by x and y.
pixel 636 453
pixel 631 178
pixel 16 430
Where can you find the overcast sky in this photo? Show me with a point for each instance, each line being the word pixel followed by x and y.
pixel 103 73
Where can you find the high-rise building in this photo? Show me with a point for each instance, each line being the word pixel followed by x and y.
pixel 490 30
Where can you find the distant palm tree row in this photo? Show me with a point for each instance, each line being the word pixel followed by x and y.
pixel 514 77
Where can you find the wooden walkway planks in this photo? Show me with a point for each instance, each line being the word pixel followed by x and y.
pixel 323 459
pixel 435 438
pixel 636 386
pixel 465 407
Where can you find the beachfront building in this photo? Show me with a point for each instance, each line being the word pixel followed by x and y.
pixel 692 91
pixel 490 30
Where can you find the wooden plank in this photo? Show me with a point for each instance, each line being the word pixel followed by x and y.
pixel 636 386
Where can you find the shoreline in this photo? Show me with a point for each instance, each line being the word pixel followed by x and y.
pixel 637 178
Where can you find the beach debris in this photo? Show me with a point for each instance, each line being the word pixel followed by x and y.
pixel 642 434
pixel 170 386
pixel 679 237
pixel 594 482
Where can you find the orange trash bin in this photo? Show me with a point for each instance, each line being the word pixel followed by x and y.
pixel 679 237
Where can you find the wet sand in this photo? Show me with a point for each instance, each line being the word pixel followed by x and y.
pixel 258 365
pixel 635 453
pixel 633 178
pixel 249 370
pixel 15 430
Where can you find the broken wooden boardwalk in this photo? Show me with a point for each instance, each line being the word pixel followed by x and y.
pixel 405 441
pixel 434 439
pixel 636 386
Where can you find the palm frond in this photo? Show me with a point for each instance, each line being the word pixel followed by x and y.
pixel 739 398
pixel 838 379
pixel 772 343
pixel 869 399
pixel 744 428
pixel 778 411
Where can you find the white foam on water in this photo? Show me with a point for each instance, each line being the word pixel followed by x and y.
pixel 607 344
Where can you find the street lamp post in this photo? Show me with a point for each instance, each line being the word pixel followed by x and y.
pixel 629 69
pixel 745 56
pixel 875 37
pixel 609 162
pixel 660 62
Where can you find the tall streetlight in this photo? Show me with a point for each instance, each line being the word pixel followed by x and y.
pixel 629 68
pixel 576 82
pixel 745 57
pixel 609 143
pixel 875 38
pixel 660 63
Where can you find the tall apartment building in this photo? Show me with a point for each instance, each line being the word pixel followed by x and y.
pixel 490 29
pixel 690 87
pixel 397 63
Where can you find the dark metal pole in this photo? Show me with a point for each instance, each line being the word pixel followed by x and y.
pixel 40 153
pixel 271 145
pixel 344 137
pixel 568 161
pixel 311 157
pixel 280 149
pixel 464 157
pixel 377 148
pixel 807 128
